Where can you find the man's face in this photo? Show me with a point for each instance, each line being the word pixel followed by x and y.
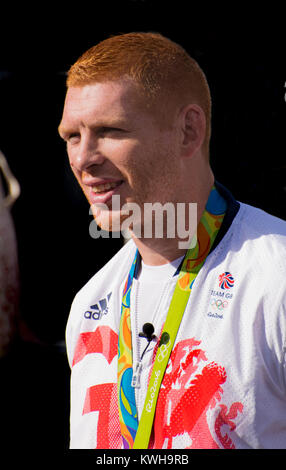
pixel 116 147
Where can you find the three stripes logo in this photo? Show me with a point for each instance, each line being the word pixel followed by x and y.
pixel 99 309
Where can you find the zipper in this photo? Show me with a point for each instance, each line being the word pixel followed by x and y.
pixel 135 383
pixel 137 361
pixel 137 364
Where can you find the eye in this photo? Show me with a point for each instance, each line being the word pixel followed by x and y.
pixel 110 132
pixel 106 130
pixel 73 138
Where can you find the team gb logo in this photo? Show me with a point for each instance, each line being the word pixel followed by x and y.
pixel 226 280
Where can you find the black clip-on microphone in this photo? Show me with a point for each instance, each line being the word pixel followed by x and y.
pixel 148 330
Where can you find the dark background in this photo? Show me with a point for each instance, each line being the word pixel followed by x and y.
pixel 243 56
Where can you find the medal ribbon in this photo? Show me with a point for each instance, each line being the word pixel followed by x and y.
pixel 134 436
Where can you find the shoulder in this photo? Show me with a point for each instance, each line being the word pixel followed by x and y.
pixel 258 247
pixel 113 271
pixel 260 221
pixel 263 234
pixel 256 251
pixel 101 290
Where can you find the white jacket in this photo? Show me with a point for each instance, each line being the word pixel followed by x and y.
pixel 225 384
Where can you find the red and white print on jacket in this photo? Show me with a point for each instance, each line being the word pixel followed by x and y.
pixel 185 397
pixel 102 397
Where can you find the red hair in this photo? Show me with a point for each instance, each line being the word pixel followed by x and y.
pixel 164 71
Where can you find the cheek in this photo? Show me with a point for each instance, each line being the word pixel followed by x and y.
pixel 77 175
pixel 150 175
pixel 76 172
pixel 127 157
pixel 118 150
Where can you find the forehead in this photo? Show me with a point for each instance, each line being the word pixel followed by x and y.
pixel 100 101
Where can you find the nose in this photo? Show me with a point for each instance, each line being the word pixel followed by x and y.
pixel 86 154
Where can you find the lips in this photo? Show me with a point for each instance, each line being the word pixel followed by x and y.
pixel 102 191
pixel 101 188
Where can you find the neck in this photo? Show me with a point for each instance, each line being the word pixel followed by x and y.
pixel 158 251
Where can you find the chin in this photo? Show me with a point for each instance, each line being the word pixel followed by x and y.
pixel 108 221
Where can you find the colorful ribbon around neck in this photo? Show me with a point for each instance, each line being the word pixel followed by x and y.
pixel 136 435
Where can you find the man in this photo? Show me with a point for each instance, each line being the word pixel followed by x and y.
pixel 169 347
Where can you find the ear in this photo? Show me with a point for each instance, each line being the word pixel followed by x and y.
pixel 193 127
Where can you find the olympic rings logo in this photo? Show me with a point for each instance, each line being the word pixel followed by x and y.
pixel 219 304
pixel 163 351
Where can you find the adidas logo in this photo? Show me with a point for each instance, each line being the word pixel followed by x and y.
pixel 99 309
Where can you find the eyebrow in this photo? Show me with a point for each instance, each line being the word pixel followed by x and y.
pixel 64 131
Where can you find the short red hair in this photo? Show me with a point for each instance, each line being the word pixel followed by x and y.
pixel 163 70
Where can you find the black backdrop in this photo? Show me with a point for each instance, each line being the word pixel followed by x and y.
pixel 243 56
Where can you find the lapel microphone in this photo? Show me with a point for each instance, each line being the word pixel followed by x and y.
pixel 148 330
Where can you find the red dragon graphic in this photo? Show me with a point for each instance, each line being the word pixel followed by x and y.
pixel 185 397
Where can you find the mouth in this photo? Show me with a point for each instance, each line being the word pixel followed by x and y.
pixel 102 192
pixel 103 188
